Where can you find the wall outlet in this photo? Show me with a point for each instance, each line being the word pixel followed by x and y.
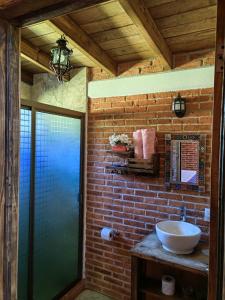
pixel 207 215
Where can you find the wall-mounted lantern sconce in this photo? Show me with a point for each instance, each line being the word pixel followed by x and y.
pixel 60 59
pixel 179 106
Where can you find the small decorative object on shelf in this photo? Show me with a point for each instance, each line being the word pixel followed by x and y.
pixel 168 285
pixel 120 170
pixel 119 142
pixel 119 148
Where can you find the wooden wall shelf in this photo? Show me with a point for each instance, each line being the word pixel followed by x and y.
pixel 137 166
pixel 122 153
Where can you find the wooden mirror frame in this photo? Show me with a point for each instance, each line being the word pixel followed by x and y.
pixel 201 138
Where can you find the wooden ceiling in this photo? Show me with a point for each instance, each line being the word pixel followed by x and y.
pixel 117 31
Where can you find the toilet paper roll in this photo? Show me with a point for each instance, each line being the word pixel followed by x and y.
pixel 107 234
pixel 168 285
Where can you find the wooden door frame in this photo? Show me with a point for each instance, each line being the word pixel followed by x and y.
pixel 9 157
pixel 216 264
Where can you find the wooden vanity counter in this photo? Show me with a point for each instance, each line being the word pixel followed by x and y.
pixel 150 262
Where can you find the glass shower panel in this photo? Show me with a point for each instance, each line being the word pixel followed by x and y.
pixel 57 204
pixel 24 202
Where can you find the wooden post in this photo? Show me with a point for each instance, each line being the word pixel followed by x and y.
pixel 216 263
pixel 9 158
pixel 135 276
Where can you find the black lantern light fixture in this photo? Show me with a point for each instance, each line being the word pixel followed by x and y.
pixel 60 58
pixel 179 106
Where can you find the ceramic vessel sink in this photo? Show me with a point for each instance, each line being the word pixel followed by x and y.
pixel 177 236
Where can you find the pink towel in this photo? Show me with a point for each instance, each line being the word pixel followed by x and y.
pixel 138 146
pixel 149 142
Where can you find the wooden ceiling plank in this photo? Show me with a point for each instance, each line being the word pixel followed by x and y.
pixel 128 49
pixel 44 40
pixel 153 3
pixel 118 21
pixel 192 37
pixel 117 33
pixel 79 39
pixel 193 46
pixel 144 55
pixel 208 24
pixel 122 42
pixel 178 7
pixel 33 31
pixel 97 13
pixel 35 55
pixel 187 17
pixel 193 41
pixel 142 18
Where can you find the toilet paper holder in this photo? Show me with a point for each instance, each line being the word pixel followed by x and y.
pixel 109 233
pixel 116 233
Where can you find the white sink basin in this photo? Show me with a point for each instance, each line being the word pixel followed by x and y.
pixel 177 236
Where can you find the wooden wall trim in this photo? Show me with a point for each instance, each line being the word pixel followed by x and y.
pixel 2 147
pixel 216 239
pixel 75 291
pixel 9 158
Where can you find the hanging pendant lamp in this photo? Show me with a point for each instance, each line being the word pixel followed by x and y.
pixel 60 59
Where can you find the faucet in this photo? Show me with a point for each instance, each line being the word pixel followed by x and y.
pixel 183 213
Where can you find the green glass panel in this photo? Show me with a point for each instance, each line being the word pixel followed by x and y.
pixel 57 205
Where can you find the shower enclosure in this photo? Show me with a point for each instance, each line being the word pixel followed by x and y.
pixel 50 206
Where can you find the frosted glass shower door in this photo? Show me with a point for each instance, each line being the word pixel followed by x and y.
pixel 56 235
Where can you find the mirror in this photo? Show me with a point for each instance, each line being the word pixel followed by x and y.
pixel 185 161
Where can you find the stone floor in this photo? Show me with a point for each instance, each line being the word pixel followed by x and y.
pixel 90 295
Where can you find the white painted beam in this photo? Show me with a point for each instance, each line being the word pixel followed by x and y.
pixel 175 80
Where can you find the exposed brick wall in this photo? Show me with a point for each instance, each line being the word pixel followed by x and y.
pixel 134 204
pixel 180 61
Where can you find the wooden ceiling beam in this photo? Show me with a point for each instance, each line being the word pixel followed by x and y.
pixel 79 39
pixel 27 77
pixel 7 3
pixel 35 56
pixel 141 17
pixel 31 12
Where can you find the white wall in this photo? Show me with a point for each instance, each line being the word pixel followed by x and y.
pixel 174 80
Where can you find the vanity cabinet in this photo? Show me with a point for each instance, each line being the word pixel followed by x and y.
pixel 150 262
